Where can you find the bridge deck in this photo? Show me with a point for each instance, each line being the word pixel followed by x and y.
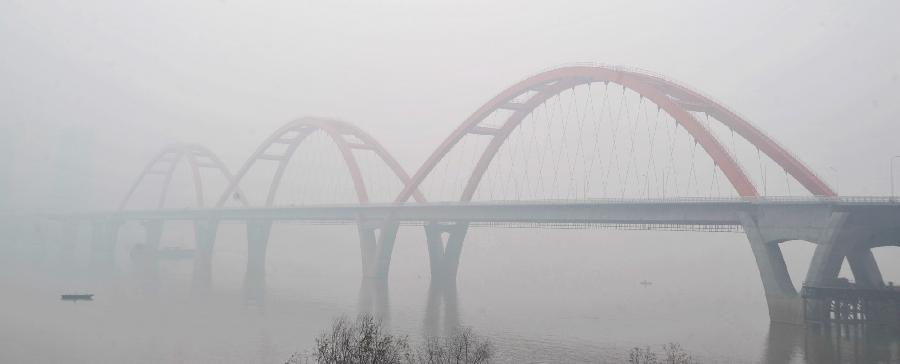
pixel 693 212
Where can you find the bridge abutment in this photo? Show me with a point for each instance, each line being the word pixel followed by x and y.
pixel 445 242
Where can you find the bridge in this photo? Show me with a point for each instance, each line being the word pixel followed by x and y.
pixel 582 146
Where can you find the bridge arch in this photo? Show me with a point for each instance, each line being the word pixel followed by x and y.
pixel 345 136
pixel 166 161
pixel 676 100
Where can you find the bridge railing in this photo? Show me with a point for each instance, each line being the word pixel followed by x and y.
pixel 674 200
pixel 842 200
pixel 761 199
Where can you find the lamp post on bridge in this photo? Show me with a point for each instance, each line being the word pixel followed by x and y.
pixel 892 176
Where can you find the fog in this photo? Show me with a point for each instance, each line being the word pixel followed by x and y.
pixel 91 91
pixel 131 77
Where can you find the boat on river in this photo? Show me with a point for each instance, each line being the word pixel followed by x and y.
pixel 77 297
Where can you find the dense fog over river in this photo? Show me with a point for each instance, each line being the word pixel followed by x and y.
pixel 512 288
pixel 610 175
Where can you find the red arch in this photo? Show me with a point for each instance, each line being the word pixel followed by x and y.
pixel 675 99
pixel 165 162
pixel 337 131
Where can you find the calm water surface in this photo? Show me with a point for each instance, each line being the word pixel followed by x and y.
pixel 541 296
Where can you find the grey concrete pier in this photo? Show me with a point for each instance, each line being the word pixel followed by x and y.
pixel 445 242
pixel 205 231
pixel 376 243
pixel 255 275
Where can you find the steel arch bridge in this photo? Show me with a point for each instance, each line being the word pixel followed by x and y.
pixel 519 100
pixel 345 136
pixel 165 163
pixel 842 228
pixel 675 99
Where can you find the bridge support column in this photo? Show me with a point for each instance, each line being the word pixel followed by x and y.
pixel 376 242
pixel 255 276
pixel 784 303
pixel 205 239
pixel 833 246
pixel 103 245
pixel 444 253
pixel 153 233
pixel 865 268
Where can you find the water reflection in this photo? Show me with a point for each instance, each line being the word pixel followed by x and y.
pixel 835 344
pixel 374 299
pixel 442 294
pixel 255 288
pixel 441 311
pixel 441 306
pixel 784 343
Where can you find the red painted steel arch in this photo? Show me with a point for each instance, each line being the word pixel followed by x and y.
pixel 675 99
pixel 167 160
pixel 338 131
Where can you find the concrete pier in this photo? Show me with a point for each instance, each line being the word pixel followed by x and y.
pixel 376 243
pixel 255 276
pixel 205 238
pixel 445 242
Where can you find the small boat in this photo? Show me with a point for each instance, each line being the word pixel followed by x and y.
pixel 77 297
pixel 646 283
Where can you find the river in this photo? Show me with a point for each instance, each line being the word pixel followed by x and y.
pixel 541 296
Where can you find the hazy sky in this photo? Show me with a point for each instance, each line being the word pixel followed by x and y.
pixel 822 77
